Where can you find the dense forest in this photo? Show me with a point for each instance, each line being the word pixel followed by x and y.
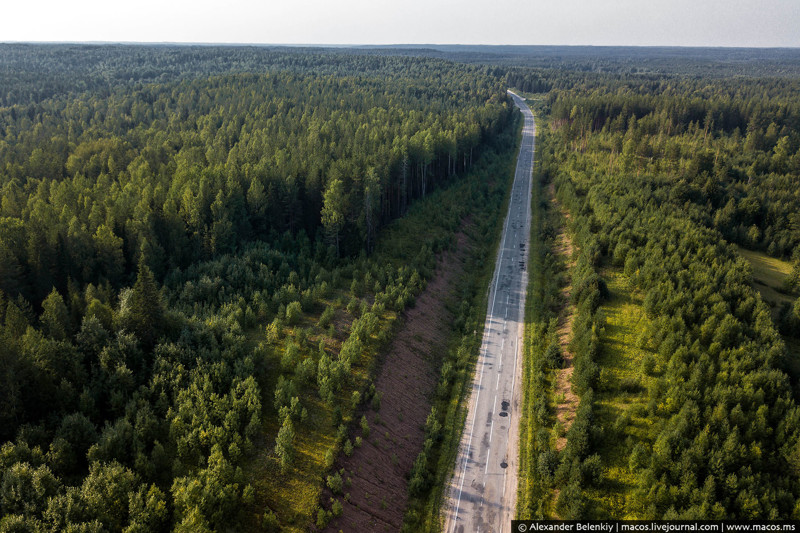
pixel 641 61
pixel 204 251
pixel 691 414
pixel 187 266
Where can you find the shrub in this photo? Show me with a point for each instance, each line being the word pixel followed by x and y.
pixel 354 307
pixel 330 457
pixel 290 357
pixel 327 317
pixel 275 331
pixel 356 288
pixel 270 522
pixel 376 401
pixel 592 470
pixel 336 508
pixel 294 313
pixel 323 517
pixel 547 463
pixel 334 482
pixel 552 355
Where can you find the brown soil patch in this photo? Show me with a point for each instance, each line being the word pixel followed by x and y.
pixel 407 379
pixel 566 408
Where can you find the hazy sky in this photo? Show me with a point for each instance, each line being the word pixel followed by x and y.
pixel 592 22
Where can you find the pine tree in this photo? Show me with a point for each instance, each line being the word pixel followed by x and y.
pixel 284 444
pixel 55 316
pixel 145 312
pixel 372 194
pixel 333 210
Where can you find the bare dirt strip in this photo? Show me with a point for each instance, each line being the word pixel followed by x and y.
pixel 377 471
pixel 567 400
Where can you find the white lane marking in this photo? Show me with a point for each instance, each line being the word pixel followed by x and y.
pixel 485 341
pixel 469 444
pixel 497 382
pixel 491 429
pixel 500 366
pixel 498 266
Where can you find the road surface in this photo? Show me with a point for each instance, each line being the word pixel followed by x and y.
pixel 483 491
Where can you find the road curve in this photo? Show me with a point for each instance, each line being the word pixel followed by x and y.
pixel 483 490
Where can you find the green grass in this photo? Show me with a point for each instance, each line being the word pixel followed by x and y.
pixel 768 275
pixel 535 497
pixel 768 270
pixel 621 399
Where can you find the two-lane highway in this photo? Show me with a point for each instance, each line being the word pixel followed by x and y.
pixel 483 492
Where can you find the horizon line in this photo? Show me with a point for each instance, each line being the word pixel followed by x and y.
pixel 388 45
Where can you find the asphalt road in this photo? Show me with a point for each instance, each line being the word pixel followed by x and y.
pixel 483 491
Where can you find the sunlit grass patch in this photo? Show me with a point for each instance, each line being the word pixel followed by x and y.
pixel 769 274
pixel 621 414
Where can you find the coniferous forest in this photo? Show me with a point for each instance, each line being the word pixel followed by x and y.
pixel 675 190
pixel 188 272
pixel 205 251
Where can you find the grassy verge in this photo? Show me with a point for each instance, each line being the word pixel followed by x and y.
pixel 537 435
pixel 547 275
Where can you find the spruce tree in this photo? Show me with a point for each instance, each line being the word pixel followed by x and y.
pixel 145 313
pixel 284 444
pixel 55 316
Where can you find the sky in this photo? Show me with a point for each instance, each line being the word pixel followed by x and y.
pixel 756 23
